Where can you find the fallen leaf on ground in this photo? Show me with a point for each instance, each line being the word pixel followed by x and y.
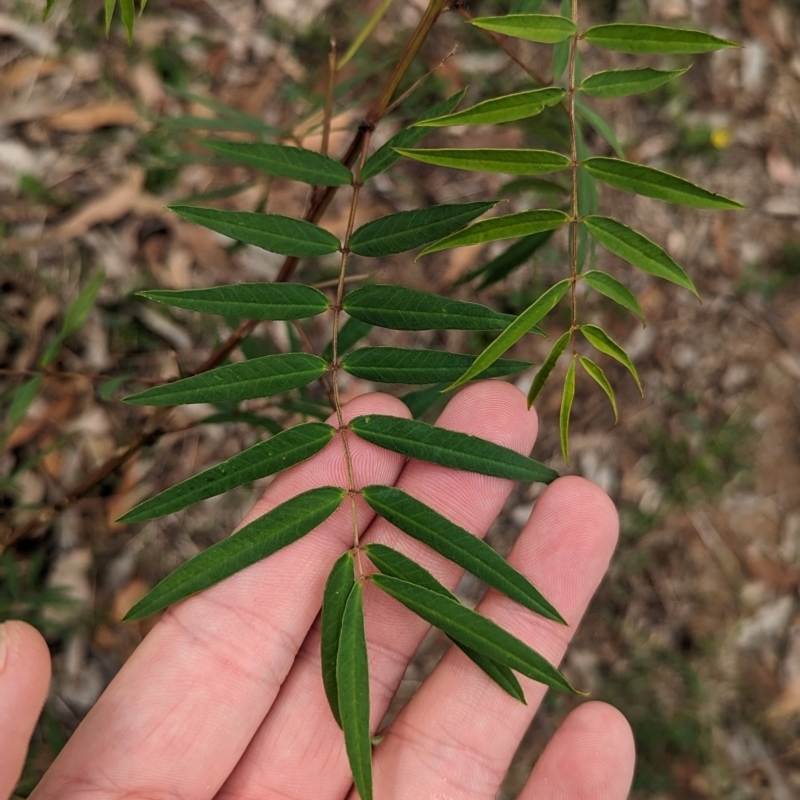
pixel 90 118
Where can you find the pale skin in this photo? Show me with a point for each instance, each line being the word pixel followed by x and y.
pixel 223 699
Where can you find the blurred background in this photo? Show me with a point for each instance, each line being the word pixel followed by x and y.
pixel 695 633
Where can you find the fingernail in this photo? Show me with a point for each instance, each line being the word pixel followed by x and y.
pixel 3 646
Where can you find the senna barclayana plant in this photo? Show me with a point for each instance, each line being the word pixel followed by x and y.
pixel 434 228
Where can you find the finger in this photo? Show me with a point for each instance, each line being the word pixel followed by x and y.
pixel 300 733
pixel 24 678
pixel 590 757
pixel 179 715
pixel 460 731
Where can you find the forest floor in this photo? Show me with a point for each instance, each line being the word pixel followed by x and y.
pixel 695 633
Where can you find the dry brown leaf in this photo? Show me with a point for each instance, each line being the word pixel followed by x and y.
pixel 787 703
pixel 26 71
pixel 90 118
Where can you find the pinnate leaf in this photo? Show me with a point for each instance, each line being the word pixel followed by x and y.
pixel 405 230
pixel 264 536
pixel 543 374
pixel 638 250
pixel 470 628
pixel 409 365
pixel 404 309
pixel 391 562
pixel 654 183
pixel 515 331
pixel 601 341
pixel 597 374
pixel 567 396
pixel 352 678
pixel 504 160
pixel 257 377
pixel 609 286
pixel 454 449
pixel 274 232
pixel 338 587
pixel 627 38
pixel 247 300
pixel 457 545
pixel 295 163
pixel 509 226
pixel 509 108
pixel 545 28
pixel 265 458
pixel 613 83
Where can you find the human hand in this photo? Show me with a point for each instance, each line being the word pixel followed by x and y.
pixel 224 697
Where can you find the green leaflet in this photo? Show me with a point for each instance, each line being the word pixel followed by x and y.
pixel 599 377
pixel 352 678
pixel 625 82
pixel 473 630
pixel 274 232
pixel 230 118
pixel 264 536
pixel 506 227
pixel 352 332
pixel 257 377
pixel 626 38
pixel 601 126
pixel 509 108
pixel 385 156
pixel 404 309
pixel 567 396
pixel 396 565
pixel 505 263
pixel 601 341
pixel 406 230
pixel 338 587
pixel 265 458
pixel 294 163
pixel 109 6
pixel 409 365
pixel 515 331
pixel 247 300
pixel 128 13
pixel 655 183
pixel 545 28
pixel 638 250
pixel 425 442
pixel 457 545
pixel 609 286
pixel 543 374
pixel 505 160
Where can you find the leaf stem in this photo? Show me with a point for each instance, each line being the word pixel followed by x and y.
pixel 573 142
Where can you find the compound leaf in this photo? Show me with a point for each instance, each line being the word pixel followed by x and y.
pixel 544 28
pixel 410 365
pixel 508 161
pixel 613 83
pixel 654 183
pixel 352 678
pixel 247 300
pixel 264 536
pixel 505 227
pixel 509 108
pixel 257 377
pixel 454 449
pixel 543 374
pixel 274 232
pixel 457 545
pixel 265 458
pixel 628 38
pixel 609 286
pixel 395 564
pixel 597 374
pixel 638 250
pixel 338 587
pixel 567 396
pixel 470 628
pixel 515 331
pixel 406 230
pixel 295 163
pixel 601 341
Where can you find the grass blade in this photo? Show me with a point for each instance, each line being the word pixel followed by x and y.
pixel 264 536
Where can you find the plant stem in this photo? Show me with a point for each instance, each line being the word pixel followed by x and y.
pixel 573 141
